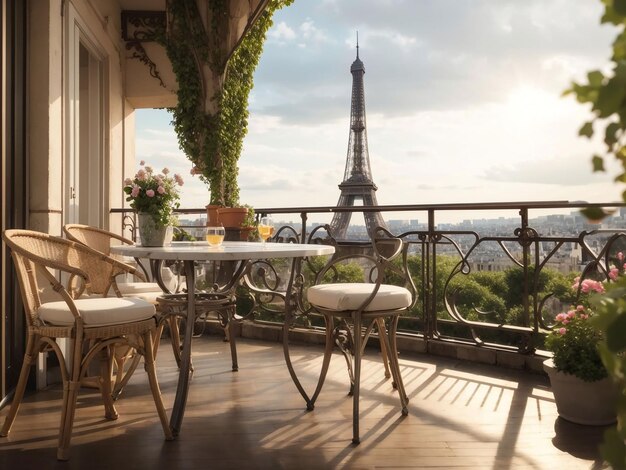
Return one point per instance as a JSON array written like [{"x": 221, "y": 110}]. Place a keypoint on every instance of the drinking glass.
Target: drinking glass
[
  {"x": 215, "y": 236},
  {"x": 266, "y": 228}
]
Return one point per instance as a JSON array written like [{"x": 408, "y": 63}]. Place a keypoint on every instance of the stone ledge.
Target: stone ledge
[{"x": 406, "y": 343}]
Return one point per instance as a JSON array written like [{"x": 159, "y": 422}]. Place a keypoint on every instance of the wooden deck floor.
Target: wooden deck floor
[{"x": 460, "y": 416}]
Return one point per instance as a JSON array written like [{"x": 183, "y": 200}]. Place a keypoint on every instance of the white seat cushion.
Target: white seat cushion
[
  {"x": 97, "y": 311},
  {"x": 130, "y": 289},
  {"x": 350, "y": 296}
]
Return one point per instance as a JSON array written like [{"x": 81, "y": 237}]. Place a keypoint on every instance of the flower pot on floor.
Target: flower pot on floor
[{"x": 591, "y": 403}]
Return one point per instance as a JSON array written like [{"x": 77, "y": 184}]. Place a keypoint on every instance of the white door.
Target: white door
[{"x": 85, "y": 173}]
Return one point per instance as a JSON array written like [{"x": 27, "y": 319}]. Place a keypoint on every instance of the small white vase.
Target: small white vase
[
  {"x": 592, "y": 403},
  {"x": 152, "y": 233}
]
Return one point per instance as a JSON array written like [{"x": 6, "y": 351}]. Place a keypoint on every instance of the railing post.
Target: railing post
[
  {"x": 524, "y": 241},
  {"x": 303, "y": 218},
  {"x": 430, "y": 313}
]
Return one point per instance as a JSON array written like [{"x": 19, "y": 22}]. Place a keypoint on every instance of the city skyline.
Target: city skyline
[{"x": 463, "y": 99}]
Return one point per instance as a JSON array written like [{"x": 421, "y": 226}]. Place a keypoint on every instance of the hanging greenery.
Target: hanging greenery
[{"x": 211, "y": 117}]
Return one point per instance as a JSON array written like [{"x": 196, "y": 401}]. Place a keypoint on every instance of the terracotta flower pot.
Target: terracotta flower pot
[
  {"x": 213, "y": 218},
  {"x": 592, "y": 403},
  {"x": 232, "y": 216}
]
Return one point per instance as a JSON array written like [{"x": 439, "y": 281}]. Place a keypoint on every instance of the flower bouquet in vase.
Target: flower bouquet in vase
[{"x": 154, "y": 196}]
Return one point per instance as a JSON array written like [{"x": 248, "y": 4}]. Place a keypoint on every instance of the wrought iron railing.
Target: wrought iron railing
[{"x": 460, "y": 268}]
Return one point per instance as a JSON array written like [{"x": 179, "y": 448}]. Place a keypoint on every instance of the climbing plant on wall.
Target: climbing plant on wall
[{"x": 211, "y": 117}]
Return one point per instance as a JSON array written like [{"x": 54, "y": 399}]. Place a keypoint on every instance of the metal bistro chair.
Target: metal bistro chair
[
  {"x": 94, "y": 324},
  {"x": 365, "y": 305}
]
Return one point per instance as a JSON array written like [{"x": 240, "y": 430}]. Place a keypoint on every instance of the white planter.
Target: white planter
[{"x": 592, "y": 403}]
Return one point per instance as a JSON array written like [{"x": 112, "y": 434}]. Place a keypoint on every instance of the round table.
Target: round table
[{"x": 242, "y": 252}]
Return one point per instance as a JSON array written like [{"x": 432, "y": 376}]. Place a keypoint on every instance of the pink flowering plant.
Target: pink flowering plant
[
  {"x": 574, "y": 344},
  {"x": 574, "y": 339},
  {"x": 154, "y": 193}
]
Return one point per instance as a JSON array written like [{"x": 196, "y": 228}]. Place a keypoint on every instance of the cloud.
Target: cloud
[
  {"x": 281, "y": 32},
  {"x": 561, "y": 171}
]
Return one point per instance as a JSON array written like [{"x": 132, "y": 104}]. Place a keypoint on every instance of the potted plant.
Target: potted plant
[
  {"x": 583, "y": 392},
  {"x": 214, "y": 81},
  {"x": 154, "y": 197},
  {"x": 249, "y": 231}
]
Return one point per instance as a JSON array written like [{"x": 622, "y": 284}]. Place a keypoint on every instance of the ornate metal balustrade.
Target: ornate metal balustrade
[{"x": 533, "y": 260}]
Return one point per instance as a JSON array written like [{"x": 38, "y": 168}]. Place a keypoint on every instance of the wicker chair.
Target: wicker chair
[
  {"x": 360, "y": 307},
  {"x": 102, "y": 240},
  {"x": 95, "y": 324},
  {"x": 125, "y": 359}
]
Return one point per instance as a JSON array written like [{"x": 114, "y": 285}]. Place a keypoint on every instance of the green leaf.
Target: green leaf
[
  {"x": 611, "y": 16},
  {"x": 610, "y": 134},
  {"x": 616, "y": 334},
  {"x": 620, "y": 7},
  {"x": 594, "y": 214},
  {"x": 595, "y": 78},
  {"x": 609, "y": 98},
  {"x": 613, "y": 449},
  {"x": 598, "y": 163},
  {"x": 586, "y": 130}
]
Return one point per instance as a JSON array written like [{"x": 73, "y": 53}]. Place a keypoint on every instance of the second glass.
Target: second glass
[{"x": 215, "y": 236}]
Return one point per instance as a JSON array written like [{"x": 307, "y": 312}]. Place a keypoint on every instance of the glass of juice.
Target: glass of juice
[
  {"x": 266, "y": 228},
  {"x": 215, "y": 236}
]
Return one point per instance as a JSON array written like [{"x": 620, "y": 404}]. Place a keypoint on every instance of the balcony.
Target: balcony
[{"x": 478, "y": 397}]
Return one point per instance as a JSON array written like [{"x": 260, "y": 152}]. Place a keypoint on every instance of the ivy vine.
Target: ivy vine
[{"x": 211, "y": 129}]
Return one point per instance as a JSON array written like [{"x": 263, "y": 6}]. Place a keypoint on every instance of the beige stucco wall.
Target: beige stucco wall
[
  {"x": 45, "y": 143},
  {"x": 48, "y": 109}
]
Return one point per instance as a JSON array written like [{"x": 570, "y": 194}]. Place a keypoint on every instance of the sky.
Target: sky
[{"x": 463, "y": 103}]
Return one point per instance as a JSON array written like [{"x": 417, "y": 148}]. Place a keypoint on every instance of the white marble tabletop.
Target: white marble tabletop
[{"x": 229, "y": 251}]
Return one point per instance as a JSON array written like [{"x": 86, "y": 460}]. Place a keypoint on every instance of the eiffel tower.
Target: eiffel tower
[{"x": 357, "y": 182}]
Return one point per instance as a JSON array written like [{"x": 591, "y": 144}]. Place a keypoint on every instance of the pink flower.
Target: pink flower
[
  {"x": 178, "y": 179},
  {"x": 150, "y": 193},
  {"x": 128, "y": 182},
  {"x": 149, "y": 169},
  {"x": 620, "y": 257},
  {"x": 161, "y": 190},
  {"x": 141, "y": 175},
  {"x": 584, "y": 316},
  {"x": 613, "y": 273},
  {"x": 571, "y": 314},
  {"x": 142, "y": 162},
  {"x": 580, "y": 308},
  {"x": 561, "y": 317},
  {"x": 588, "y": 285},
  {"x": 135, "y": 191},
  {"x": 165, "y": 171},
  {"x": 562, "y": 331}
]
